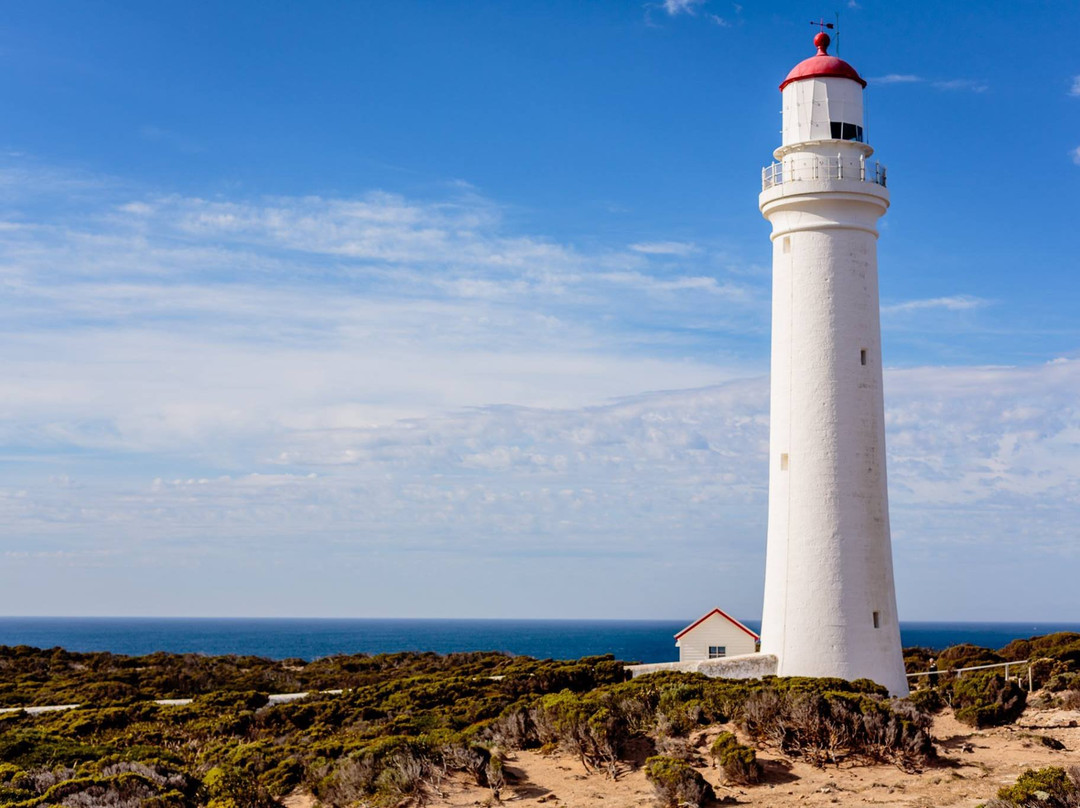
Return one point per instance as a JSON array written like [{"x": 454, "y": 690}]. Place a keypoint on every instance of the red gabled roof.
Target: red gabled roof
[
  {"x": 822, "y": 65},
  {"x": 724, "y": 615}
]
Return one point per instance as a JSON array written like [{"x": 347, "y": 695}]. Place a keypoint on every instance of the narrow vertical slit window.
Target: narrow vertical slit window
[
  {"x": 783, "y": 462},
  {"x": 862, "y": 356},
  {"x": 877, "y": 619},
  {"x": 787, "y": 244}
]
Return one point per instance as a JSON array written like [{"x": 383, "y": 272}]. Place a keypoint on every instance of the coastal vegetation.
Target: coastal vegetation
[
  {"x": 397, "y": 728},
  {"x": 1050, "y": 787}
]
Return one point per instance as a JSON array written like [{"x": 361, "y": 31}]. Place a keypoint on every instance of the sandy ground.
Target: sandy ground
[{"x": 973, "y": 765}]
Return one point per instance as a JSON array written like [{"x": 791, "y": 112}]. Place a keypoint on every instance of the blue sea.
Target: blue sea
[{"x": 631, "y": 640}]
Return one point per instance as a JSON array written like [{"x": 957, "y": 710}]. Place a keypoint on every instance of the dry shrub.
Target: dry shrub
[{"x": 827, "y": 727}]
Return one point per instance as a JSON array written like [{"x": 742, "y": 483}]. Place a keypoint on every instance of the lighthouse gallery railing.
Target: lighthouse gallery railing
[{"x": 821, "y": 168}]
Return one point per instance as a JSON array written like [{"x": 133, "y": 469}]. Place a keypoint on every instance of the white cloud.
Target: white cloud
[
  {"x": 674, "y": 7},
  {"x": 664, "y": 248},
  {"x": 979, "y": 457},
  {"x": 286, "y": 397},
  {"x": 969, "y": 85},
  {"x": 1075, "y": 154},
  {"x": 1074, "y": 90},
  {"x": 178, "y": 324},
  {"x": 953, "y": 303},
  {"x": 897, "y": 78}
]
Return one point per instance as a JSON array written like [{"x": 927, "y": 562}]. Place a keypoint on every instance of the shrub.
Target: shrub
[
  {"x": 1051, "y": 787},
  {"x": 231, "y": 788},
  {"x": 1063, "y": 681},
  {"x": 987, "y": 700},
  {"x": 927, "y": 700},
  {"x": 966, "y": 655},
  {"x": 826, "y": 727},
  {"x": 738, "y": 762},
  {"x": 676, "y": 783}
]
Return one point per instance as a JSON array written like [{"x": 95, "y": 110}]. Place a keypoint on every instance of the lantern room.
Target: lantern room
[{"x": 822, "y": 99}]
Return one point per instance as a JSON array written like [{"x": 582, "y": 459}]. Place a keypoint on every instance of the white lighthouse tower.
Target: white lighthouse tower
[{"x": 830, "y": 603}]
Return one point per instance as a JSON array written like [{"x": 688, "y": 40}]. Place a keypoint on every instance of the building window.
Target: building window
[
  {"x": 877, "y": 619},
  {"x": 783, "y": 462},
  {"x": 862, "y": 356},
  {"x": 787, "y": 244},
  {"x": 846, "y": 131},
  {"x": 718, "y": 651}
]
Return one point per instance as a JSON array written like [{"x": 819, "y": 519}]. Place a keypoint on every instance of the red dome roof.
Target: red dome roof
[{"x": 821, "y": 64}]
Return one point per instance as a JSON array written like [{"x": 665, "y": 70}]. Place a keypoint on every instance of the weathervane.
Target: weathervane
[{"x": 821, "y": 24}]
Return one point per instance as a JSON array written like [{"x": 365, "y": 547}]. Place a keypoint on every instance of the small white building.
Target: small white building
[{"x": 714, "y": 636}]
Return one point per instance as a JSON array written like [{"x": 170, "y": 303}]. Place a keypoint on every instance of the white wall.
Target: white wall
[
  {"x": 715, "y": 630},
  {"x": 809, "y": 106}
]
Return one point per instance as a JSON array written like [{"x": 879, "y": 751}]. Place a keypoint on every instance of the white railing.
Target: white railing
[
  {"x": 957, "y": 671},
  {"x": 821, "y": 168}
]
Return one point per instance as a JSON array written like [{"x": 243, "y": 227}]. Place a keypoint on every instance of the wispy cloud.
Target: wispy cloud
[
  {"x": 664, "y": 247},
  {"x": 261, "y": 391},
  {"x": 968, "y": 85},
  {"x": 1074, "y": 90},
  {"x": 674, "y": 7},
  {"x": 953, "y": 303},
  {"x": 1075, "y": 154},
  {"x": 978, "y": 456},
  {"x": 412, "y": 307}
]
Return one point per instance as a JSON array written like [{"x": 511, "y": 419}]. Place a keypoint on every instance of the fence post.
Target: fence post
[{"x": 1030, "y": 686}]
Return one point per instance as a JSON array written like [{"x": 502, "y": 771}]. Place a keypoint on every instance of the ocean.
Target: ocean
[{"x": 630, "y": 640}]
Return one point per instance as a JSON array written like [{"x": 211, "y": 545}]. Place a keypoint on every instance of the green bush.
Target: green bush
[
  {"x": 1051, "y": 787},
  {"x": 676, "y": 783},
  {"x": 738, "y": 762},
  {"x": 927, "y": 700},
  {"x": 987, "y": 700},
  {"x": 966, "y": 655}
]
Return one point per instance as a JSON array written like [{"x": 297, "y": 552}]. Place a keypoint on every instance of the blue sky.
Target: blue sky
[{"x": 462, "y": 309}]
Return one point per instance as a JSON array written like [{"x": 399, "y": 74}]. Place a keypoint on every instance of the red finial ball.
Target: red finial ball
[{"x": 822, "y": 42}]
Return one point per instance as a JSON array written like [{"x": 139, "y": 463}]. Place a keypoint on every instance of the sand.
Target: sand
[{"x": 973, "y": 765}]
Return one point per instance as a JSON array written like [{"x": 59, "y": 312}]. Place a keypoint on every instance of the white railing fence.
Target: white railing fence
[
  {"x": 816, "y": 167},
  {"x": 957, "y": 671}
]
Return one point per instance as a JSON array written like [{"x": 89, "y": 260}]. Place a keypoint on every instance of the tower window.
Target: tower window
[
  {"x": 877, "y": 619},
  {"x": 846, "y": 131},
  {"x": 783, "y": 462},
  {"x": 862, "y": 356},
  {"x": 787, "y": 244}
]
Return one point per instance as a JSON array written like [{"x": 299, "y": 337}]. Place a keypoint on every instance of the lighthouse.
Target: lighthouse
[{"x": 830, "y": 601}]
